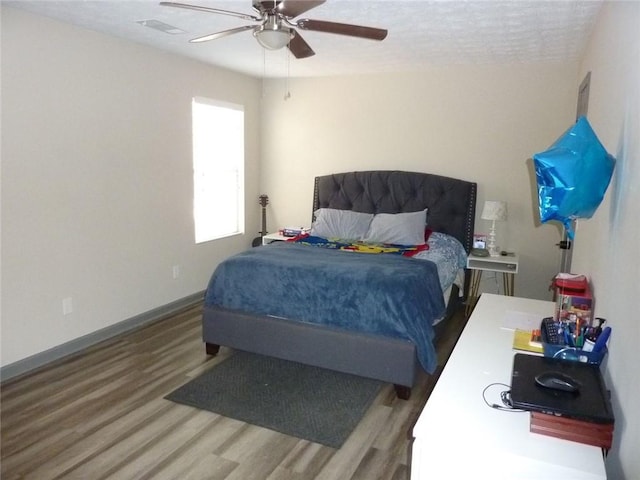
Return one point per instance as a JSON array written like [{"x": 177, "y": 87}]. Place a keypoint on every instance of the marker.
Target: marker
[{"x": 577, "y": 334}]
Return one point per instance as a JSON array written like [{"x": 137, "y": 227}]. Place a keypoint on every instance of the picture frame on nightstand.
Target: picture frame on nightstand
[
  {"x": 479, "y": 245},
  {"x": 479, "y": 240}
]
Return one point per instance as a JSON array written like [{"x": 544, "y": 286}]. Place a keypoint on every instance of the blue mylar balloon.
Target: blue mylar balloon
[{"x": 572, "y": 175}]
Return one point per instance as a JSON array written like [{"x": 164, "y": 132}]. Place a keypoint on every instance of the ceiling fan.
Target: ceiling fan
[{"x": 277, "y": 28}]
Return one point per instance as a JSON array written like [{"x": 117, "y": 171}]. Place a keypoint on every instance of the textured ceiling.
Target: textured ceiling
[{"x": 421, "y": 33}]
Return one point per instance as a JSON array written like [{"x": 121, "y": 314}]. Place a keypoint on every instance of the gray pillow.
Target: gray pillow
[
  {"x": 398, "y": 228},
  {"x": 346, "y": 224}
]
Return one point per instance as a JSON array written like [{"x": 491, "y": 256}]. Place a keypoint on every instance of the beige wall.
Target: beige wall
[
  {"x": 478, "y": 123},
  {"x": 607, "y": 244},
  {"x": 97, "y": 179}
]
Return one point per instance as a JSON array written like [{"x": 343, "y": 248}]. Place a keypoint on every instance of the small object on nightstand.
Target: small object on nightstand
[
  {"x": 479, "y": 240},
  {"x": 293, "y": 231},
  {"x": 479, "y": 252}
]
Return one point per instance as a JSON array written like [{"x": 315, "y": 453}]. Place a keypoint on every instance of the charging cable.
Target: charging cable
[{"x": 505, "y": 398}]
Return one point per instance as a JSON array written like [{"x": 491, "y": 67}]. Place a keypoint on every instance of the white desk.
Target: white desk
[{"x": 458, "y": 436}]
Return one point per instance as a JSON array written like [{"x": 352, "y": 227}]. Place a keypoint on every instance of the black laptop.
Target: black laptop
[{"x": 591, "y": 402}]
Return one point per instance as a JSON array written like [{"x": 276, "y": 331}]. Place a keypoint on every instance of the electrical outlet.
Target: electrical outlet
[
  {"x": 176, "y": 271},
  {"x": 67, "y": 306}
]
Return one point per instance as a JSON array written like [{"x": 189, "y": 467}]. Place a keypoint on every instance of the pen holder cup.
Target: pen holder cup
[{"x": 566, "y": 352}]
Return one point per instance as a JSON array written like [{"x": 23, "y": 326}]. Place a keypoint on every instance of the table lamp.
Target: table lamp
[{"x": 494, "y": 210}]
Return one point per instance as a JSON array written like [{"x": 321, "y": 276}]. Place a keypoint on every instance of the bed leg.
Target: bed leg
[
  {"x": 403, "y": 392},
  {"x": 211, "y": 348}
]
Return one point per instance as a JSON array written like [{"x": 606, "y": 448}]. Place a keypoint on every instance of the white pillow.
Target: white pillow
[
  {"x": 347, "y": 224},
  {"x": 398, "y": 228}
]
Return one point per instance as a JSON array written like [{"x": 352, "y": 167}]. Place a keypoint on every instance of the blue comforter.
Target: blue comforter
[{"x": 383, "y": 294}]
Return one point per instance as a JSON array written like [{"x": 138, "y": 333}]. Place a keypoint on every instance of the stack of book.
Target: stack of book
[{"x": 293, "y": 231}]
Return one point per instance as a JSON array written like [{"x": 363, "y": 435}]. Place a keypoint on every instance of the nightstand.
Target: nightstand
[
  {"x": 273, "y": 237},
  {"x": 505, "y": 264}
]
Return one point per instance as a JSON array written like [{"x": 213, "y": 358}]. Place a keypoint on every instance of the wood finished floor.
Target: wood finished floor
[{"x": 101, "y": 414}]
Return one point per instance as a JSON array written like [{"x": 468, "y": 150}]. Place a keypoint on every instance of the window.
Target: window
[{"x": 218, "y": 169}]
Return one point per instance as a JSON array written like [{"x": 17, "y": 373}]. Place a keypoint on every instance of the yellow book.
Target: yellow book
[{"x": 522, "y": 341}]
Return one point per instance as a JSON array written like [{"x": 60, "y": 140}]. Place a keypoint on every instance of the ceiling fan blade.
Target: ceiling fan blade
[
  {"x": 342, "y": 29},
  {"x": 244, "y": 16},
  {"x": 221, "y": 34},
  {"x": 293, "y": 8},
  {"x": 299, "y": 47}
]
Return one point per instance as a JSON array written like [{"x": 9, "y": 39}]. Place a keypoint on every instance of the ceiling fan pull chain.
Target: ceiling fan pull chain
[
  {"x": 264, "y": 70},
  {"x": 287, "y": 94}
]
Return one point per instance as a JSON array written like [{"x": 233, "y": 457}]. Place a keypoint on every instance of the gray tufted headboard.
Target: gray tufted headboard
[{"x": 451, "y": 202}]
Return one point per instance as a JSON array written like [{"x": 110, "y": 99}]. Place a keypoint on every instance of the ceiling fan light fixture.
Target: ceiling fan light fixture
[
  {"x": 272, "y": 35},
  {"x": 273, "y": 39}
]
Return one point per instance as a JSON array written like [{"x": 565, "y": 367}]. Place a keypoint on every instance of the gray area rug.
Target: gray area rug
[{"x": 306, "y": 402}]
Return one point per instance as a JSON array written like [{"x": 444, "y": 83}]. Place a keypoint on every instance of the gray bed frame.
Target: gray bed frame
[{"x": 451, "y": 209}]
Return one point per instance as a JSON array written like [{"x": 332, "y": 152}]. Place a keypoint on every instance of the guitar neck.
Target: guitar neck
[
  {"x": 264, "y": 201},
  {"x": 264, "y": 222}
]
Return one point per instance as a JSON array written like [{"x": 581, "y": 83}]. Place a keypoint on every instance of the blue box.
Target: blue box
[{"x": 567, "y": 352}]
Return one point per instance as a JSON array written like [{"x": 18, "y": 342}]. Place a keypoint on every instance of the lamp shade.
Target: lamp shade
[{"x": 494, "y": 210}]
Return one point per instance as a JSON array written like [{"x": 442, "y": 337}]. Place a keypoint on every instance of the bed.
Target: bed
[{"x": 393, "y": 348}]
